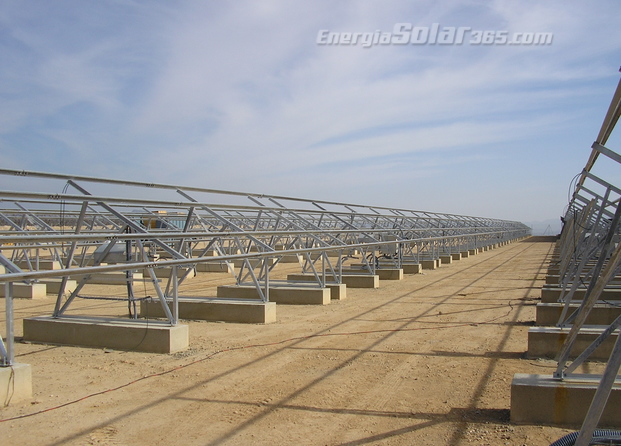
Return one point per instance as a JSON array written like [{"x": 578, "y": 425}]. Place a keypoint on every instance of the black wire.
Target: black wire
[
  {"x": 572, "y": 188},
  {"x": 9, "y": 394},
  {"x": 146, "y": 328}
]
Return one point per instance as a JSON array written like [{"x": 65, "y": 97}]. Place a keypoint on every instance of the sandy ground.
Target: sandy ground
[{"x": 423, "y": 361}]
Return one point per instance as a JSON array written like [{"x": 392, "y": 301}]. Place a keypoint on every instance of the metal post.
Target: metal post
[
  {"x": 175, "y": 296},
  {"x": 340, "y": 280},
  {"x": 9, "y": 355},
  {"x": 129, "y": 279},
  {"x": 266, "y": 262},
  {"x": 323, "y": 268}
]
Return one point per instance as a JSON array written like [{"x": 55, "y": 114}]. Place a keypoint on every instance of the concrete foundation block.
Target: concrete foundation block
[
  {"x": 292, "y": 295},
  {"x": 53, "y": 285},
  {"x": 212, "y": 253},
  {"x": 456, "y": 255},
  {"x": 27, "y": 290},
  {"x": 390, "y": 273},
  {"x": 540, "y": 399},
  {"x": 361, "y": 280},
  {"x": 546, "y": 342},
  {"x": 338, "y": 291},
  {"x": 15, "y": 383},
  {"x": 385, "y": 272},
  {"x": 602, "y": 314},
  {"x": 43, "y": 264},
  {"x": 213, "y": 309},
  {"x": 429, "y": 264},
  {"x": 446, "y": 259},
  {"x": 351, "y": 280},
  {"x": 411, "y": 268},
  {"x": 552, "y": 294},
  {"x": 255, "y": 263},
  {"x": 163, "y": 273},
  {"x": 473, "y": 252},
  {"x": 552, "y": 279},
  {"x": 121, "y": 334},
  {"x": 115, "y": 278},
  {"x": 214, "y": 268},
  {"x": 465, "y": 254},
  {"x": 289, "y": 258}
]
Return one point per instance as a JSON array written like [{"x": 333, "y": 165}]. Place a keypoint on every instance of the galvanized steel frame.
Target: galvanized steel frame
[
  {"x": 174, "y": 227},
  {"x": 589, "y": 258}
]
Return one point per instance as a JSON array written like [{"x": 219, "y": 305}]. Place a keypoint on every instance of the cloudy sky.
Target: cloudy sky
[{"x": 239, "y": 95}]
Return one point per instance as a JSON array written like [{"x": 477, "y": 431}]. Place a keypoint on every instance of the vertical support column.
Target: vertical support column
[
  {"x": 9, "y": 323},
  {"x": 175, "y": 296},
  {"x": 323, "y": 268},
  {"x": 8, "y": 354},
  {"x": 15, "y": 379},
  {"x": 266, "y": 265},
  {"x": 129, "y": 278}
]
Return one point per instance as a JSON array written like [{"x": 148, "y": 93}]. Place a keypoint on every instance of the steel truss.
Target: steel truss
[
  {"x": 90, "y": 226},
  {"x": 589, "y": 259}
]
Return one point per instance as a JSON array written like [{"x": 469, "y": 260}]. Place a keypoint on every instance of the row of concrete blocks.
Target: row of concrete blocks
[
  {"x": 352, "y": 276},
  {"x": 541, "y": 399},
  {"x": 41, "y": 288},
  {"x": 234, "y": 304}
]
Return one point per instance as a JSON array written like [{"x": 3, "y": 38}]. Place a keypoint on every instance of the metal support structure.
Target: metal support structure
[
  {"x": 589, "y": 258},
  {"x": 7, "y": 353},
  {"x": 99, "y": 226}
]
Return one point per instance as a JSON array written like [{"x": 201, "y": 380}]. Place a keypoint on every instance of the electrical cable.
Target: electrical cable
[
  {"x": 146, "y": 329},
  {"x": 574, "y": 182},
  {"x": 10, "y": 388},
  {"x": 599, "y": 437},
  {"x": 62, "y": 211},
  {"x": 232, "y": 349}
]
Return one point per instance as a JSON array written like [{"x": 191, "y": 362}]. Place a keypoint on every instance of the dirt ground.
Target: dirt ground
[{"x": 427, "y": 360}]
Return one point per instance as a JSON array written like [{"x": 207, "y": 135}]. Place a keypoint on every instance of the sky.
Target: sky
[{"x": 244, "y": 96}]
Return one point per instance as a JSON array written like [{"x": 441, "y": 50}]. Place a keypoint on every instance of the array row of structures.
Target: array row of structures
[
  {"x": 580, "y": 310},
  {"x": 232, "y": 303}
]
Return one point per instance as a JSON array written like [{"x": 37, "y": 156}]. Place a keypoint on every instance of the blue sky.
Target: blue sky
[{"x": 238, "y": 95}]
